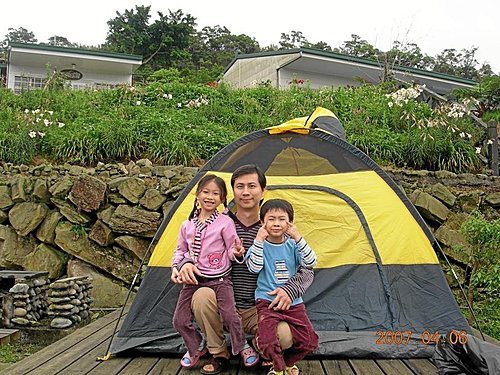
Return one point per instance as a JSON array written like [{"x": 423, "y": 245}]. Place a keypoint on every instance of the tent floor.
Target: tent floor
[{"x": 77, "y": 353}]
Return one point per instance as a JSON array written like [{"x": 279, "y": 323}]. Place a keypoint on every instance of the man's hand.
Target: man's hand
[
  {"x": 238, "y": 249},
  {"x": 281, "y": 302},
  {"x": 293, "y": 232},
  {"x": 187, "y": 274},
  {"x": 261, "y": 234}
]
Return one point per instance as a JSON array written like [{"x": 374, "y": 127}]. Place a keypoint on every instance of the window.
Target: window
[{"x": 26, "y": 83}]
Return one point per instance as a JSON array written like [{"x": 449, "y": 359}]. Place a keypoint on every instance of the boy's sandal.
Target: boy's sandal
[
  {"x": 294, "y": 370},
  {"x": 272, "y": 372},
  {"x": 189, "y": 361},
  {"x": 250, "y": 357},
  {"x": 218, "y": 365}
]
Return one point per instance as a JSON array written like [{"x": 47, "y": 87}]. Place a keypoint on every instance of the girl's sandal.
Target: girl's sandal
[
  {"x": 218, "y": 365},
  {"x": 189, "y": 361},
  {"x": 249, "y": 356},
  {"x": 294, "y": 370}
]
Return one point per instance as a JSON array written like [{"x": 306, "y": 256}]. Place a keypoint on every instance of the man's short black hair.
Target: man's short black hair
[
  {"x": 276, "y": 204},
  {"x": 249, "y": 169}
]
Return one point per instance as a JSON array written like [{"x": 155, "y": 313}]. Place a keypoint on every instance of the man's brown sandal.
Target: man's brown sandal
[{"x": 218, "y": 364}]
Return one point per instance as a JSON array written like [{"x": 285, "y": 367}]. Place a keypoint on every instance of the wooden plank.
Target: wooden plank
[
  {"x": 111, "y": 366},
  {"x": 310, "y": 367},
  {"x": 421, "y": 366},
  {"x": 88, "y": 362},
  {"x": 77, "y": 351},
  {"x": 46, "y": 354},
  {"x": 139, "y": 365},
  {"x": 393, "y": 367},
  {"x": 365, "y": 367},
  {"x": 255, "y": 370},
  {"x": 165, "y": 366},
  {"x": 232, "y": 370},
  {"x": 337, "y": 367}
]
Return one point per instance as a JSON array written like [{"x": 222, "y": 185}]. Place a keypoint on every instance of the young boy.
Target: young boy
[{"x": 276, "y": 254}]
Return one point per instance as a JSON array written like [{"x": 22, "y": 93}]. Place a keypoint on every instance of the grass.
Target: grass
[
  {"x": 182, "y": 123},
  {"x": 14, "y": 352}
]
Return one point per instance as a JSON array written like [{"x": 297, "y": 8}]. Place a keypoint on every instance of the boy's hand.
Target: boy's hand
[
  {"x": 293, "y": 232},
  {"x": 238, "y": 249},
  {"x": 261, "y": 234},
  {"x": 281, "y": 302}
]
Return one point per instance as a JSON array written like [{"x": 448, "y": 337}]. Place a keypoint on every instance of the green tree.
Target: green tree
[
  {"x": 408, "y": 54},
  {"x": 359, "y": 48},
  {"x": 163, "y": 44},
  {"x": 20, "y": 35},
  {"x": 293, "y": 40},
  {"x": 60, "y": 41},
  {"x": 459, "y": 63}
]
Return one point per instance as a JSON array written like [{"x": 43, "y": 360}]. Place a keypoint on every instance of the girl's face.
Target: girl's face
[{"x": 209, "y": 197}]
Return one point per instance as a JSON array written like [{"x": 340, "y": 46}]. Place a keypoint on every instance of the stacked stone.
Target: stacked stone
[
  {"x": 29, "y": 300},
  {"x": 69, "y": 301}
]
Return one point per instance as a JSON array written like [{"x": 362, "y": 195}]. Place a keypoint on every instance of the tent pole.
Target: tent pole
[
  {"x": 462, "y": 290},
  {"x": 108, "y": 353}
]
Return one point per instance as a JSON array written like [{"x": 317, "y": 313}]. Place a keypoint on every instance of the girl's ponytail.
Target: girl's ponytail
[{"x": 193, "y": 211}]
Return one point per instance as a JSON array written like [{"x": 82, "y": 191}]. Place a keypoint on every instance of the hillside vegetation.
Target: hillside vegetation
[{"x": 173, "y": 122}]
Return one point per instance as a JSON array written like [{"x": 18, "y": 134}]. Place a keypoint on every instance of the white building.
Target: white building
[
  {"x": 29, "y": 65},
  {"x": 319, "y": 69}
]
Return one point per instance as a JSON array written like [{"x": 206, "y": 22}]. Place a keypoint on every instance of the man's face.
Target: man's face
[{"x": 247, "y": 191}]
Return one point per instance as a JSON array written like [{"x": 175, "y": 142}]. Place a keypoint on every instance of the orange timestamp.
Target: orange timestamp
[{"x": 389, "y": 337}]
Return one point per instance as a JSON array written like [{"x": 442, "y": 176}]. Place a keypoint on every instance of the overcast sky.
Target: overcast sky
[{"x": 432, "y": 24}]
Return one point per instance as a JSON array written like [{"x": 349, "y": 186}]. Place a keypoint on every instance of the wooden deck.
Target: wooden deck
[{"x": 77, "y": 353}]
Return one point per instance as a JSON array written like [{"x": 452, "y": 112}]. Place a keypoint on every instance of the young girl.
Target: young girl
[{"x": 209, "y": 241}]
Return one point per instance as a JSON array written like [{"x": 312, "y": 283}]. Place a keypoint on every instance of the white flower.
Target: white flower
[
  {"x": 167, "y": 96},
  {"x": 468, "y": 135},
  {"x": 41, "y": 134},
  {"x": 462, "y": 135},
  {"x": 36, "y": 111},
  {"x": 179, "y": 105},
  {"x": 46, "y": 122},
  {"x": 478, "y": 150},
  {"x": 37, "y": 119},
  {"x": 26, "y": 110},
  {"x": 138, "y": 102},
  {"x": 390, "y": 104},
  {"x": 60, "y": 124},
  {"x": 489, "y": 141},
  {"x": 32, "y": 134},
  {"x": 50, "y": 112}
]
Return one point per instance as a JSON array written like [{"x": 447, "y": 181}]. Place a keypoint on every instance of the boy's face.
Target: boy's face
[{"x": 276, "y": 224}]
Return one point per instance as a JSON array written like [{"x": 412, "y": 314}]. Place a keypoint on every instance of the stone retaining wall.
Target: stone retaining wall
[{"x": 98, "y": 222}]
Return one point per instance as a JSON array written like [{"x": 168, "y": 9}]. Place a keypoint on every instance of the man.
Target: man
[{"x": 248, "y": 184}]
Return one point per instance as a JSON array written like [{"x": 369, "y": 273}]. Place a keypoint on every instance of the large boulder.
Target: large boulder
[
  {"x": 106, "y": 292},
  {"x": 442, "y": 193},
  {"x": 47, "y": 230},
  {"x": 133, "y": 220},
  {"x": 430, "y": 208},
  {"x": 88, "y": 193},
  {"x": 70, "y": 212},
  {"x": 101, "y": 234},
  {"x": 41, "y": 190},
  {"x": 118, "y": 265},
  {"x": 19, "y": 185},
  {"x": 14, "y": 248},
  {"x": 454, "y": 243},
  {"x": 493, "y": 199},
  {"x": 27, "y": 216},
  {"x": 62, "y": 187},
  {"x": 6, "y": 201},
  {"x": 132, "y": 189},
  {"x": 152, "y": 200},
  {"x": 46, "y": 258},
  {"x": 134, "y": 245}
]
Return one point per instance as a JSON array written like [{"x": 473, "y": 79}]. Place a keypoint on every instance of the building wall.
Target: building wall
[
  {"x": 249, "y": 72},
  {"x": 89, "y": 79}
]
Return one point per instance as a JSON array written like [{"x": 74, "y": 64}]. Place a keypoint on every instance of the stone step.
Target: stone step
[{"x": 8, "y": 336}]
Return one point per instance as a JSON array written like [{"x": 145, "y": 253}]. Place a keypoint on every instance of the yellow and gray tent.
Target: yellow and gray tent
[{"x": 378, "y": 291}]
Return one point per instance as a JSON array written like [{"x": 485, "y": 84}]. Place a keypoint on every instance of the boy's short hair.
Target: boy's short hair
[
  {"x": 276, "y": 204},
  {"x": 249, "y": 169}
]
